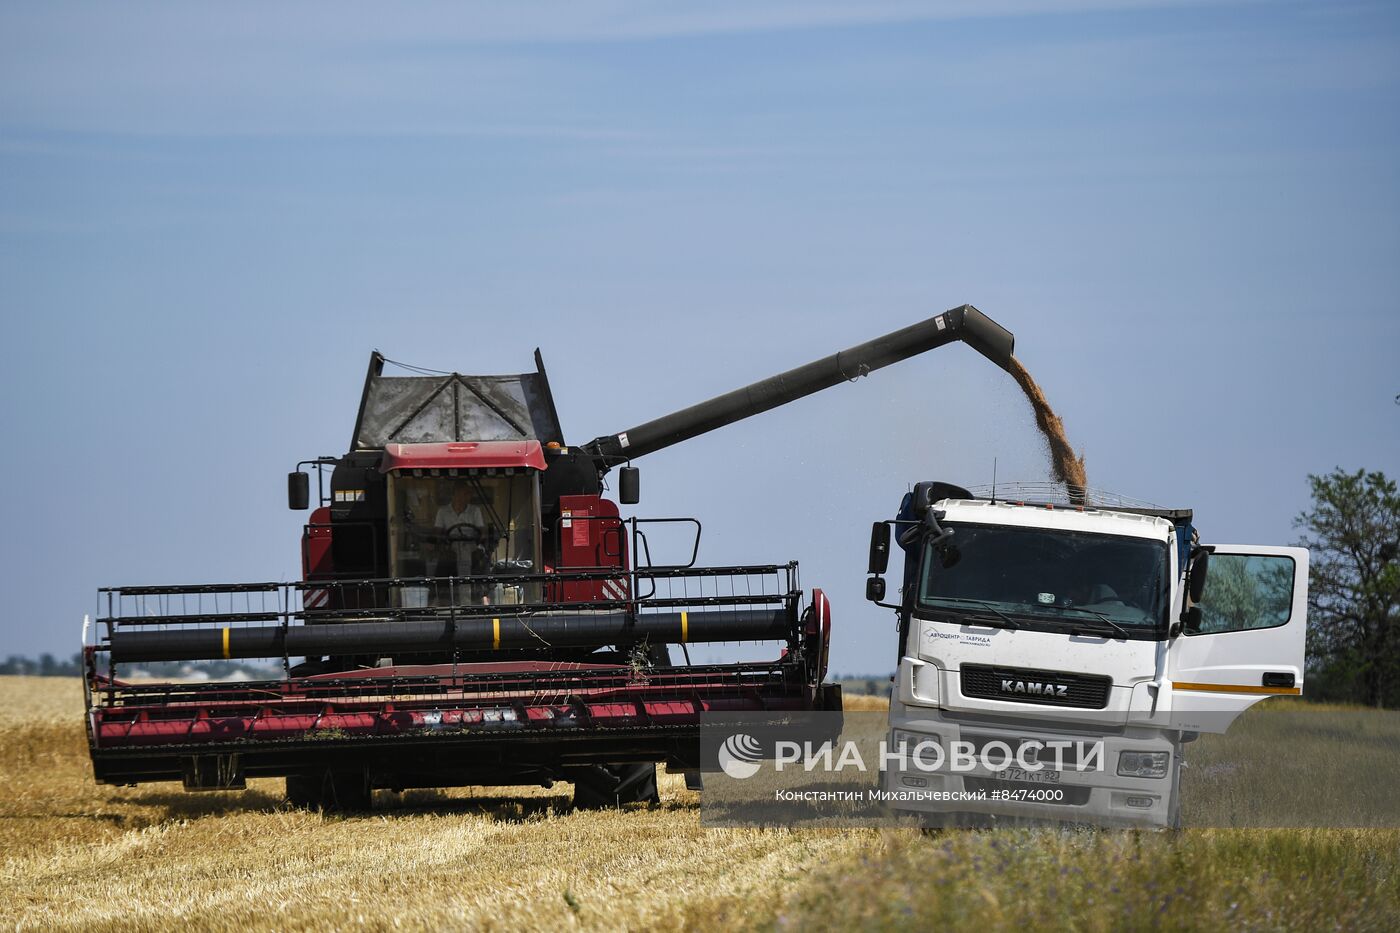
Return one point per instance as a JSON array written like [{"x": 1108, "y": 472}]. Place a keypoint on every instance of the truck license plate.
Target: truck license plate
[{"x": 1044, "y": 776}]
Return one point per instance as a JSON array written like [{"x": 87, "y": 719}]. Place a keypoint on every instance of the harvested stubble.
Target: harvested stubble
[
  {"x": 153, "y": 857},
  {"x": 82, "y": 856}
]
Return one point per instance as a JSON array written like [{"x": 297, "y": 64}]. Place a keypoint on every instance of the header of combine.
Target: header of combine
[{"x": 472, "y": 609}]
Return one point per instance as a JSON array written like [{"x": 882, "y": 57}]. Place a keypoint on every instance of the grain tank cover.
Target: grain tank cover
[
  {"x": 471, "y": 455},
  {"x": 453, "y": 407}
]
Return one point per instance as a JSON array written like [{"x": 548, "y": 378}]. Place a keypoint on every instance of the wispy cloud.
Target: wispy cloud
[
  {"x": 319, "y": 68},
  {"x": 543, "y": 21}
]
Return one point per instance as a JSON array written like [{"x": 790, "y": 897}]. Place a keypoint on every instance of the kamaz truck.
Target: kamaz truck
[{"x": 1056, "y": 656}]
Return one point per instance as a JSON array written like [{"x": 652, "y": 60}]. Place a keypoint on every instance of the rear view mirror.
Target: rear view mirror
[
  {"x": 1191, "y": 620},
  {"x": 875, "y": 589},
  {"x": 298, "y": 491},
  {"x": 923, "y": 497},
  {"x": 926, "y": 494},
  {"x": 629, "y": 485},
  {"x": 948, "y": 556},
  {"x": 1196, "y": 577},
  {"x": 879, "y": 547}
]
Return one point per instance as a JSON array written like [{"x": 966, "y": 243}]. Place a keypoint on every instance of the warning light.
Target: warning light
[{"x": 553, "y": 445}]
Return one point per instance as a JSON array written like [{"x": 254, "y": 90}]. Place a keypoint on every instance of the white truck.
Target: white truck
[{"x": 1055, "y": 658}]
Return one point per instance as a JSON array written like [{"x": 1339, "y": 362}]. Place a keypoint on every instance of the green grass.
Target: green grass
[
  {"x": 1291, "y": 764},
  {"x": 1099, "y": 880},
  {"x": 1283, "y": 764}
]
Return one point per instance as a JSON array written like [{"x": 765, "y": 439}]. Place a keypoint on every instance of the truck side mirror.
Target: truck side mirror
[
  {"x": 1191, "y": 620},
  {"x": 298, "y": 491},
  {"x": 1196, "y": 577},
  {"x": 926, "y": 494},
  {"x": 922, "y": 498},
  {"x": 629, "y": 485},
  {"x": 875, "y": 589},
  {"x": 879, "y": 547}
]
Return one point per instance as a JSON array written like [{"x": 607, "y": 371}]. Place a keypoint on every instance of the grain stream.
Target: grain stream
[{"x": 1068, "y": 467}]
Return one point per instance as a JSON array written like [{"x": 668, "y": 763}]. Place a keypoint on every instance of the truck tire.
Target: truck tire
[{"x": 602, "y": 787}]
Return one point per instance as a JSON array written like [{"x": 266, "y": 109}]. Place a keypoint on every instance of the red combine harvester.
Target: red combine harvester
[{"x": 473, "y": 611}]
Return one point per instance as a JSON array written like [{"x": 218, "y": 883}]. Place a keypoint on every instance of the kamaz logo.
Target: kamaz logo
[{"x": 1033, "y": 688}]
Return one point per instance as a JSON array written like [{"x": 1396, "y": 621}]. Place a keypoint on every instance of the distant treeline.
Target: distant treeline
[
  {"x": 875, "y": 685},
  {"x": 46, "y": 666},
  {"x": 49, "y": 666}
]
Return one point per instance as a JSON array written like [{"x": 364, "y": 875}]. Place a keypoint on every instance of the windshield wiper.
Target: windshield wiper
[
  {"x": 1120, "y": 630},
  {"x": 1006, "y": 620}
]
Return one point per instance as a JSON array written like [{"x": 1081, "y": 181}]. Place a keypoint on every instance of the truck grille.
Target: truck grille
[{"x": 1044, "y": 688}]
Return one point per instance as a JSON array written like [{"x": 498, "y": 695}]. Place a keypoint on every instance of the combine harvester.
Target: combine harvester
[{"x": 473, "y": 611}]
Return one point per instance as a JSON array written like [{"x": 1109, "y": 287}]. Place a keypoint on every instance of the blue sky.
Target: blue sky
[{"x": 1188, "y": 213}]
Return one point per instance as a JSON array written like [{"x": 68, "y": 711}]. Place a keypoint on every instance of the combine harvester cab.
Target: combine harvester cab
[{"x": 473, "y": 611}]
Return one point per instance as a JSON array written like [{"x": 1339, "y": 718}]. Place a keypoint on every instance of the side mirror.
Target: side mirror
[
  {"x": 923, "y": 497},
  {"x": 629, "y": 485},
  {"x": 298, "y": 490},
  {"x": 879, "y": 547},
  {"x": 926, "y": 494},
  {"x": 1196, "y": 578},
  {"x": 1191, "y": 620},
  {"x": 875, "y": 589}
]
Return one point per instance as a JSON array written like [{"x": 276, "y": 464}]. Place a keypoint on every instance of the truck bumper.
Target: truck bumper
[{"x": 1087, "y": 788}]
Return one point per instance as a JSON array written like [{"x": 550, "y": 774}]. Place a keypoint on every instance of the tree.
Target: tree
[{"x": 1353, "y": 533}]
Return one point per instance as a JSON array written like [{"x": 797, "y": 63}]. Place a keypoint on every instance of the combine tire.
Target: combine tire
[
  {"x": 602, "y": 787},
  {"x": 304, "y": 791},
  {"x": 331, "y": 791}
]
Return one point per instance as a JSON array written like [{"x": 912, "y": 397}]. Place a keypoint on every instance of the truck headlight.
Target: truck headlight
[
  {"x": 1143, "y": 764},
  {"x": 907, "y": 744}
]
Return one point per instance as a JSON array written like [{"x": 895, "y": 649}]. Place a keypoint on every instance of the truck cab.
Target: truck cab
[{"x": 1084, "y": 645}]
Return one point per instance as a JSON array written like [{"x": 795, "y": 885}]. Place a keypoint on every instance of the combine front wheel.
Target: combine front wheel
[
  {"x": 332, "y": 791},
  {"x": 601, "y": 787}
]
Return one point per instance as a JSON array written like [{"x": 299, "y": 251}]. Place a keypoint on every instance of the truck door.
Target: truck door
[{"x": 1250, "y": 641}]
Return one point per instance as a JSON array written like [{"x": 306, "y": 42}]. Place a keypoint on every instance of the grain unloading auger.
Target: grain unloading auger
[{"x": 473, "y": 610}]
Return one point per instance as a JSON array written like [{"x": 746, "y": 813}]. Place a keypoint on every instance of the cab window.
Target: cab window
[{"x": 1246, "y": 591}]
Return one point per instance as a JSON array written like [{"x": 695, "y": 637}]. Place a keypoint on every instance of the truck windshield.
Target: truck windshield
[{"x": 1048, "y": 579}]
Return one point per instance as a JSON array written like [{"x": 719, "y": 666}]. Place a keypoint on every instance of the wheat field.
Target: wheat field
[{"x": 78, "y": 855}]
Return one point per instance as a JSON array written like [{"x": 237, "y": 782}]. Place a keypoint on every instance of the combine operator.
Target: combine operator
[{"x": 462, "y": 525}]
